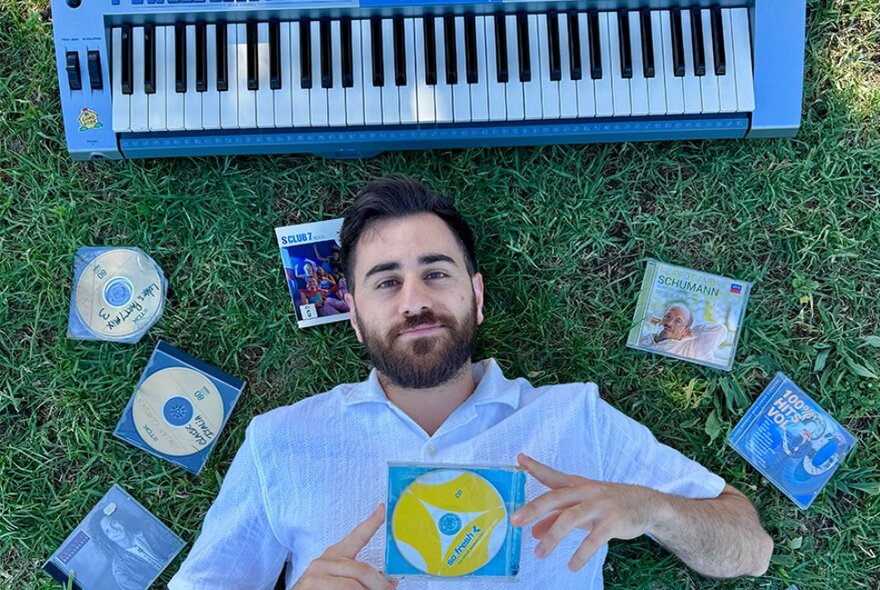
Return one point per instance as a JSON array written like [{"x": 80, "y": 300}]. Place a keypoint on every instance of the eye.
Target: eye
[
  {"x": 387, "y": 284},
  {"x": 437, "y": 274}
]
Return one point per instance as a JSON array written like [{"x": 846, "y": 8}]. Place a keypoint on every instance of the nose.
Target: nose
[{"x": 414, "y": 297}]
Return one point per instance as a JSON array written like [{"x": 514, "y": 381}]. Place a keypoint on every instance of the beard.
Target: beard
[{"x": 428, "y": 361}]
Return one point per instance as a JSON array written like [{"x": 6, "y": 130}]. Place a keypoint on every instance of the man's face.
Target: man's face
[
  {"x": 416, "y": 308},
  {"x": 676, "y": 322},
  {"x": 113, "y": 529}
]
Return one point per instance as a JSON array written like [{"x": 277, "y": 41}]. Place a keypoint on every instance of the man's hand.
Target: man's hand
[
  {"x": 607, "y": 510},
  {"x": 337, "y": 568}
]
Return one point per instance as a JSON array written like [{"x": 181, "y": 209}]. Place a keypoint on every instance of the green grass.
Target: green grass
[{"x": 562, "y": 234}]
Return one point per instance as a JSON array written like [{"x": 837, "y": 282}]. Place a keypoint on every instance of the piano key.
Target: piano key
[
  {"x": 305, "y": 53},
  {"x": 638, "y": 85},
  {"x": 229, "y": 97},
  {"x": 377, "y": 52},
  {"x": 299, "y": 95},
  {"x": 390, "y": 95},
  {"x": 619, "y": 85},
  {"x": 549, "y": 87},
  {"x": 568, "y": 103},
  {"x": 742, "y": 59},
  {"x": 494, "y": 87},
  {"x": 121, "y": 101},
  {"x": 399, "y": 45},
  {"x": 138, "y": 107},
  {"x": 156, "y": 100},
  {"x": 265, "y": 94},
  {"x": 274, "y": 54},
  {"x": 173, "y": 74},
  {"x": 498, "y": 38},
  {"x": 149, "y": 59},
  {"x": 347, "y": 57},
  {"x": 247, "y": 99},
  {"x": 407, "y": 91},
  {"x": 586, "y": 92},
  {"x": 450, "y": 49},
  {"x": 480, "y": 88},
  {"x": 326, "y": 51},
  {"x": 211, "y": 96},
  {"x": 221, "y": 50},
  {"x": 318, "y": 112},
  {"x": 524, "y": 58},
  {"x": 673, "y": 83},
  {"x": 461, "y": 94},
  {"x": 371, "y": 91},
  {"x": 677, "y": 43},
  {"x": 697, "y": 42},
  {"x": 127, "y": 60},
  {"x": 515, "y": 97},
  {"x": 180, "y": 57},
  {"x": 192, "y": 99},
  {"x": 595, "y": 45},
  {"x": 534, "y": 102},
  {"x": 429, "y": 39},
  {"x": 709, "y": 81},
  {"x": 354, "y": 94},
  {"x": 727, "y": 81},
  {"x": 554, "y": 59},
  {"x": 625, "y": 43},
  {"x": 470, "y": 47},
  {"x": 646, "y": 41},
  {"x": 693, "y": 99},
  {"x": 576, "y": 70},
  {"x": 336, "y": 92},
  {"x": 719, "y": 54},
  {"x": 201, "y": 58},
  {"x": 604, "y": 87},
  {"x": 253, "y": 74},
  {"x": 442, "y": 90},
  {"x": 657, "y": 82},
  {"x": 422, "y": 48}
]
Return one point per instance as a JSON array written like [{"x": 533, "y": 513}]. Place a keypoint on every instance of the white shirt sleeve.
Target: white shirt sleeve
[{"x": 237, "y": 547}]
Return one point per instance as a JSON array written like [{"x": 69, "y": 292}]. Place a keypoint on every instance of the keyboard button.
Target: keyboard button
[
  {"x": 586, "y": 91},
  {"x": 450, "y": 49},
  {"x": 274, "y": 54},
  {"x": 461, "y": 94},
  {"x": 515, "y": 97},
  {"x": 326, "y": 51},
  {"x": 625, "y": 44},
  {"x": 595, "y": 45},
  {"x": 742, "y": 56},
  {"x": 390, "y": 95},
  {"x": 697, "y": 42},
  {"x": 149, "y": 59},
  {"x": 173, "y": 74},
  {"x": 192, "y": 99},
  {"x": 693, "y": 99},
  {"x": 347, "y": 57},
  {"x": 399, "y": 45},
  {"x": 336, "y": 92},
  {"x": 139, "y": 105},
  {"x": 495, "y": 90},
  {"x": 727, "y": 80},
  {"x": 371, "y": 91},
  {"x": 265, "y": 94},
  {"x": 470, "y": 48},
  {"x": 425, "y": 49},
  {"x": 156, "y": 101},
  {"x": 499, "y": 37},
  {"x": 253, "y": 74},
  {"x": 480, "y": 88},
  {"x": 719, "y": 54},
  {"x": 127, "y": 60},
  {"x": 180, "y": 57},
  {"x": 442, "y": 90},
  {"x": 305, "y": 53},
  {"x": 318, "y": 106},
  {"x": 534, "y": 101},
  {"x": 549, "y": 87},
  {"x": 247, "y": 99},
  {"x": 638, "y": 85},
  {"x": 657, "y": 82},
  {"x": 229, "y": 96},
  {"x": 354, "y": 94},
  {"x": 677, "y": 43},
  {"x": 605, "y": 86},
  {"x": 211, "y": 96},
  {"x": 646, "y": 41},
  {"x": 377, "y": 52},
  {"x": 407, "y": 91},
  {"x": 574, "y": 46},
  {"x": 554, "y": 59},
  {"x": 429, "y": 36},
  {"x": 709, "y": 81},
  {"x": 568, "y": 103},
  {"x": 120, "y": 101},
  {"x": 673, "y": 82},
  {"x": 523, "y": 49},
  {"x": 222, "y": 54},
  {"x": 299, "y": 95},
  {"x": 201, "y": 57},
  {"x": 619, "y": 85}
]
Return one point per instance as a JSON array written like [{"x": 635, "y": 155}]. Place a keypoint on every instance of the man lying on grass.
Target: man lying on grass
[{"x": 305, "y": 487}]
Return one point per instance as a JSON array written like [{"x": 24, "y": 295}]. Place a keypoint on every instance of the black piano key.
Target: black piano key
[
  {"x": 222, "y": 61},
  {"x": 554, "y": 55},
  {"x": 647, "y": 42},
  {"x": 326, "y": 54},
  {"x": 501, "y": 48},
  {"x": 399, "y": 51},
  {"x": 149, "y": 59},
  {"x": 347, "y": 55},
  {"x": 677, "y": 44},
  {"x": 450, "y": 50},
  {"x": 470, "y": 47},
  {"x": 201, "y": 57},
  {"x": 127, "y": 60},
  {"x": 274, "y": 54},
  {"x": 697, "y": 42},
  {"x": 180, "y": 57},
  {"x": 718, "y": 42},
  {"x": 253, "y": 75},
  {"x": 305, "y": 53},
  {"x": 574, "y": 46},
  {"x": 523, "y": 49},
  {"x": 430, "y": 50},
  {"x": 625, "y": 43},
  {"x": 595, "y": 45},
  {"x": 377, "y": 51}
]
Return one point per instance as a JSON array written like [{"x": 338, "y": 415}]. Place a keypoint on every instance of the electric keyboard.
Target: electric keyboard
[{"x": 342, "y": 78}]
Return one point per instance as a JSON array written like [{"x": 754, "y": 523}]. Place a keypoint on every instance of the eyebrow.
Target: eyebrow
[{"x": 423, "y": 261}]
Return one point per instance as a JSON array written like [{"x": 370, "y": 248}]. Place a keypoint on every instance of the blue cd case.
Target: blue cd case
[
  {"x": 179, "y": 408},
  {"x": 453, "y": 521},
  {"x": 119, "y": 545},
  {"x": 791, "y": 440}
]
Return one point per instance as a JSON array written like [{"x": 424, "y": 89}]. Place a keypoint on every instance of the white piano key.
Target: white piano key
[
  {"x": 424, "y": 92},
  {"x": 298, "y": 94},
  {"x": 619, "y": 84},
  {"x": 407, "y": 93},
  {"x": 674, "y": 84},
  {"x": 549, "y": 88},
  {"x": 709, "y": 82},
  {"x": 247, "y": 99},
  {"x": 173, "y": 100},
  {"x": 532, "y": 89},
  {"x": 156, "y": 101},
  {"x": 442, "y": 91},
  {"x": 211, "y": 98},
  {"x": 638, "y": 85},
  {"x": 229, "y": 98},
  {"x": 283, "y": 105},
  {"x": 742, "y": 54},
  {"x": 121, "y": 102},
  {"x": 604, "y": 86},
  {"x": 390, "y": 94},
  {"x": 265, "y": 94},
  {"x": 318, "y": 108},
  {"x": 586, "y": 92},
  {"x": 480, "y": 90},
  {"x": 354, "y": 96},
  {"x": 727, "y": 82},
  {"x": 515, "y": 96},
  {"x": 192, "y": 114},
  {"x": 461, "y": 92},
  {"x": 693, "y": 95},
  {"x": 138, "y": 107},
  {"x": 336, "y": 94},
  {"x": 657, "y": 84},
  {"x": 495, "y": 90},
  {"x": 372, "y": 94},
  {"x": 568, "y": 103}
]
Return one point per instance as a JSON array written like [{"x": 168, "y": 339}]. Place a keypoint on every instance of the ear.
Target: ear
[
  {"x": 477, "y": 281},
  {"x": 352, "y": 318}
]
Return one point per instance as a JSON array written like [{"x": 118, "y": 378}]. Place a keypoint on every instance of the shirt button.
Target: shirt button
[{"x": 431, "y": 450}]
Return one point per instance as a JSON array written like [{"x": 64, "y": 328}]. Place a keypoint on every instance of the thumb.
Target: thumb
[{"x": 351, "y": 544}]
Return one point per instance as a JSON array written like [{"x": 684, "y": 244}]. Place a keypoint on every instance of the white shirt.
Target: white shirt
[
  {"x": 306, "y": 474},
  {"x": 700, "y": 345}
]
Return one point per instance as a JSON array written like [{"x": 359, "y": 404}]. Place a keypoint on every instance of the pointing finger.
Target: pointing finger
[
  {"x": 353, "y": 542},
  {"x": 546, "y": 475},
  {"x": 545, "y": 504}
]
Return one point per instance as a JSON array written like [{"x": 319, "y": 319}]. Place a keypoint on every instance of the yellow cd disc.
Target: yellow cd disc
[
  {"x": 449, "y": 522},
  {"x": 177, "y": 411},
  {"x": 118, "y": 293}
]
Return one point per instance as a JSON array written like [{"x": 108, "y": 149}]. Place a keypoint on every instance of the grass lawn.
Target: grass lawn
[{"x": 563, "y": 232}]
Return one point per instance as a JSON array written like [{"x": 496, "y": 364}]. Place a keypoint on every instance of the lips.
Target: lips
[{"x": 423, "y": 329}]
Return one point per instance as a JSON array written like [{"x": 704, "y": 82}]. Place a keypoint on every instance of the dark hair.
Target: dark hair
[{"x": 396, "y": 196}]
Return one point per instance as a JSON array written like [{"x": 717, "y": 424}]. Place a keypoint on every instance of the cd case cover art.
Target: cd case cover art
[
  {"x": 791, "y": 440},
  {"x": 452, "y": 521},
  {"x": 689, "y": 315},
  {"x": 117, "y": 294},
  {"x": 313, "y": 269},
  {"x": 119, "y": 545},
  {"x": 179, "y": 408}
]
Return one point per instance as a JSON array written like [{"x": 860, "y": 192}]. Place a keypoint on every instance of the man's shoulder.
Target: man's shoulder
[{"x": 317, "y": 407}]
